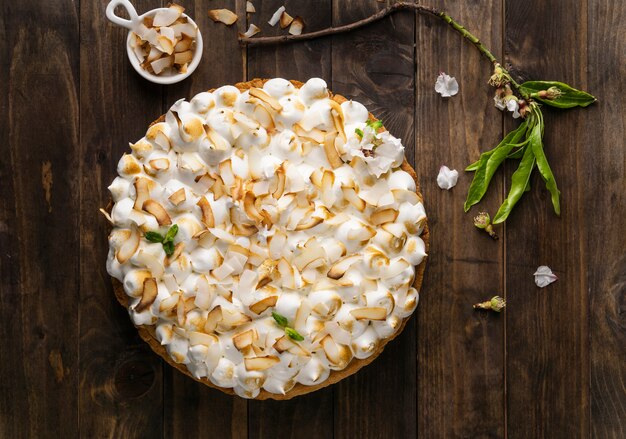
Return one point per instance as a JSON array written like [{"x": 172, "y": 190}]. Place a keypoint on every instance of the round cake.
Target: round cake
[{"x": 268, "y": 238}]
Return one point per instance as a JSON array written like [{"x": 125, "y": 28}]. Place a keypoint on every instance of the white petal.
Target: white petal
[
  {"x": 544, "y": 276},
  {"x": 447, "y": 178},
  {"x": 446, "y": 85}
]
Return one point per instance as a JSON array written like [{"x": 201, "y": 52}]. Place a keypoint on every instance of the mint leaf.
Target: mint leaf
[
  {"x": 374, "y": 124},
  {"x": 280, "y": 320},
  {"x": 292, "y": 333},
  {"x": 171, "y": 233},
  {"x": 154, "y": 237},
  {"x": 169, "y": 248},
  {"x": 359, "y": 132}
]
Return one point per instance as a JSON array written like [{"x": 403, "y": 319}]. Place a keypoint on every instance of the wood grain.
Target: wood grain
[
  {"x": 375, "y": 67},
  {"x": 547, "y": 329},
  {"x": 553, "y": 365},
  {"x": 121, "y": 379},
  {"x": 39, "y": 296},
  {"x": 308, "y": 415},
  {"x": 460, "y": 351},
  {"x": 605, "y": 240}
]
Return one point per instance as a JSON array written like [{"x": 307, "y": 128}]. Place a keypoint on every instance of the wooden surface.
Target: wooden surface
[{"x": 553, "y": 365}]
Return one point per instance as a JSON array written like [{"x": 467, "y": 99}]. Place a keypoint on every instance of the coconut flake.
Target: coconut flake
[
  {"x": 544, "y": 276},
  {"x": 253, "y": 29},
  {"x": 296, "y": 26},
  {"x": 276, "y": 16},
  {"x": 225, "y": 16},
  {"x": 250, "y": 8}
]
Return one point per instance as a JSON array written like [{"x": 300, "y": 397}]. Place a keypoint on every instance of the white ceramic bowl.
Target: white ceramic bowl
[{"x": 133, "y": 24}]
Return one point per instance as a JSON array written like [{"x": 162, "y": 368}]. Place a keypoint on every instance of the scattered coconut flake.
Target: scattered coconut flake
[
  {"x": 447, "y": 178},
  {"x": 285, "y": 20},
  {"x": 253, "y": 29},
  {"x": 250, "y": 8},
  {"x": 225, "y": 16},
  {"x": 276, "y": 16},
  {"x": 446, "y": 85},
  {"x": 296, "y": 26},
  {"x": 544, "y": 276}
]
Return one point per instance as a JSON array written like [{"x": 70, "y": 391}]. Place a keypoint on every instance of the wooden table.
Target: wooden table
[{"x": 553, "y": 365}]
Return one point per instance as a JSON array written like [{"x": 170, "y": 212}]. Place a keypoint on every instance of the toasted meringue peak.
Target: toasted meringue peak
[{"x": 280, "y": 208}]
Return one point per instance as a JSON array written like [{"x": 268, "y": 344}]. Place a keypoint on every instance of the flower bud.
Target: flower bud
[
  {"x": 496, "y": 304},
  {"x": 483, "y": 221},
  {"x": 499, "y": 78}
]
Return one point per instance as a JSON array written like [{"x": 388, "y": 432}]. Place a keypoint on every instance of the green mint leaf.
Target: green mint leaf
[
  {"x": 169, "y": 248},
  {"x": 292, "y": 333},
  {"x": 519, "y": 182},
  {"x": 154, "y": 237},
  {"x": 359, "y": 132},
  {"x": 374, "y": 124},
  {"x": 171, "y": 233},
  {"x": 488, "y": 164},
  {"x": 570, "y": 97},
  {"x": 280, "y": 320},
  {"x": 544, "y": 168}
]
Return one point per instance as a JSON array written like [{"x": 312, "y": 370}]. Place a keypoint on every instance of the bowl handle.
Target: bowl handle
[{"x": 130, "y": 9}]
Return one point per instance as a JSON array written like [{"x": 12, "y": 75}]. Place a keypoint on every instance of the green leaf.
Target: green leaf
[
  {"x": 544, "y": 168},
  {"x": 169, "y": 248},
  {"x": 518, "y": 154},
  {"x": 292, "y": 333},
  {"x": 519, "y": 182},
  {"x": 280, "y": 320},
  {"x": 488, "y": 164},
  {"x": 374, "y": 124},
  {"x": 171, "y": 233},
  {"x": 359, "y": 132},
  {"x": 569, "y": 98},
  {"x": 474, "y": 165},
  {"x": 154, "y": 237}
]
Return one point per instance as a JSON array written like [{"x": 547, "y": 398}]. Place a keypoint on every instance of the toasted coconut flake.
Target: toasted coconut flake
[
  {"x": 338, "y": 355},
  {"x": 223, "y": 16},
  {"x": 280, "y": 186},
  {"x": 372, "y": 313},
  {"x": 151, "y": 262},
  {"x": 263, "y": 304},
  {"x": 245, "y": 339},
  {"x": 148, "y": 295},
  {"x": 213, "y": 318},
  {"x": 269, "y": 100},
  {"x": 155, "y": 209},
  {"x": 338, "y": 119},
  {"x": 331, "y": 153},
  {"x": 178, "y": 197},
  {"x": 308, "y": 223},
  {"x": 384, "y": 216},
  {"x": 339, "y": 268},
  {"x": 167, "y": 16},
  {"x": 260, "y": 363},
  {"x": 296, "y": 26},
  {"x": 142, "y": 191},
  {"x": 184, "y": 44},
  {"x": 276, "y": 17},
  {"x": 161, "y": 64},
  {"x": 283, "y": 344},
  {"x": 249, "y": 207},
  {"x": 128, "y": 249},
  {"x": 107, "y": 216},
  {"x": 184, "y": 58},
  {"x": 196, "y": 338},
  {"x": 166, "y": 45},
  {"x": 350, "y": 194},
  {"x": 250, "y": 8},
  {"x": 207, "y": 213},
  {"x": 285, "y": 19},
  {"x": 309, "y": 255},
  {"x": 253, "y": 29}
]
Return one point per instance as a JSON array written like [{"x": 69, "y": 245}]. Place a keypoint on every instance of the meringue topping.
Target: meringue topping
[{"x": 285, "y": 202}]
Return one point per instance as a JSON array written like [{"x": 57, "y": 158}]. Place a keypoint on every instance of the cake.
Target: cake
[{"x": 268, "y": 238}]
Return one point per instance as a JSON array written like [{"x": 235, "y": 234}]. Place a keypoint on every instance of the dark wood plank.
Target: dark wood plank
[
  {"x": 121, "y": 378},
  {"x": 460, "y": 351},
  {"x": 605, "y": 214},
  {"x": 547, "y": 329},
  {"x": 375, "y": 66},
  {"x": 38, "y": 219},
  {"x": 192, "y": 409},
  {"x": 308, "y": 416}
]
